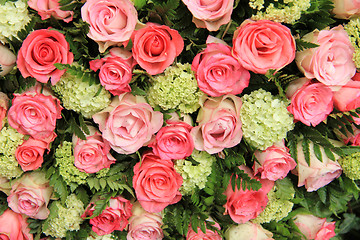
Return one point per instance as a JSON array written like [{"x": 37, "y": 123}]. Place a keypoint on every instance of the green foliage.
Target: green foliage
[
  {"x": 57, "y": 181},
  {"x": 280, "y": 80},
  {"x": 303, "y": 45},
  {"x": 78, "y": 71},
  {"x": 35, "y": 226}
]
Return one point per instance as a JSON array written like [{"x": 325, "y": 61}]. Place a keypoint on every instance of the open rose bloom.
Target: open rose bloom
[
  {"x": 13, "y": 226},
  {"x": 48, "y": 8},
  {"x": 314, "y": 227}
]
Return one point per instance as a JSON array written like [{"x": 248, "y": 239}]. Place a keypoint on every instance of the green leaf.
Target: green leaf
[
  {"x": 329, "y": 154},
  {"x": 303, "y": 45},
  {"x": 317, "y": 152},
  {"x": 59, "y": 185},
  {"x": 306, "y": 149},
  {"x": 322, "y": 194},
  {"x": 139, "y": 3}
]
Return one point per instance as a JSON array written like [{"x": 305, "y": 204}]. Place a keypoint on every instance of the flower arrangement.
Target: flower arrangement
[{"x": 169, "y": 119}]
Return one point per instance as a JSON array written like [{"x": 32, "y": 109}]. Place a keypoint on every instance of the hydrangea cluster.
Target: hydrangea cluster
[
  {"x": 94, "y": 236},
  {"x": 65, "y": 161},
  {"x": 176, "y": 88},
  {"x": 350, "y": 165},
  {"x": 14, "y": 16},
  {"x": 194, "y": 176},
  {"x": 10, "y": 139},
  {"x": 79, "y": 96},
  {"x": 265, "y": 119},
  {"x": 67, "y": 218},
  {"x": 353, "y": 30}
]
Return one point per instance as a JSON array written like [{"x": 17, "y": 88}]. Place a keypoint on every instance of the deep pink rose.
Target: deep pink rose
[
  {"x": 173, "y": 141},
  {"x": 4, "y": 105},
  {"x": 114, "y": 217},
  {"x": 348, "y": 97},
  {"x": 219, "y": 124},
  {"x": 208, "y": 235},
  {"x": 244, "y": 205},
  {"x": 210, "y": 14},
  {"x": 128, "y": 123},
  {"x": 314, "y": 228},
  {"x": 263, "y": 45},
  {"x": 115, "y": 70},
  {"x": 345, "y": 9},
  {"x": 332, "y": 62},
  {"x": 156, "y": 46},
  {"x": 311, "y": 102},
  {"x": 30, "y": 154},
  {"x": 156, "y": 183},
  {"x": 38, "y": 53},
  {"x": 318, "y": 173},
  {"x": 111, "y": 22},
  {"x": 274, "y": 163},
  {"x": 13, "y": 226},
  {"x": 218, "y": 72},
  {"x": 30, "y": 195},
  {"x": 93, "y": 154},
  {"x": 7, "y": 60},
  {"x": 48, "y": 8}
]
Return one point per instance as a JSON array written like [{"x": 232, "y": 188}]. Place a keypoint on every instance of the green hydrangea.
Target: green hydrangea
[
  {"x": 265, "y": 119},
  {"x": 176, "y": 88},
  {"x": 79, "y": 96},
  {"x": 10, "y": 139},
  {"x": 66, "y": 218},
  {"x": 194, "y": 176},
  {"x": 65, "y": 161},
  {"x": 351, "y": 165},
  {"x": 14, "y": 16},
  {"x": 353, "y": 30}
]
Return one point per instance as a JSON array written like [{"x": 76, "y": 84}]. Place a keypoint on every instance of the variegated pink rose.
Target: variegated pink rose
[
  {"x": 4, "y": 105},
  {"x": 7, "y": 60},
  {"x": 314, "y": 227},
  {"x": 50, "y": 8},
  {"x": 345, "y": 9}
]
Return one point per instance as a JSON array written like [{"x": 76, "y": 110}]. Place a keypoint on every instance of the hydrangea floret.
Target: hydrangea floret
[
  {"x": 194, "y": 176},
  {"x": 14, "y": 16},
  {"x": 176, "y": 88},
  {"x": 65, "y": 161},
  {"x": 353, "y": 30},
  {"x": 68, "y": 218},
  {"x": 350, "y": 165},
  {"x": 265, "y": 119}
]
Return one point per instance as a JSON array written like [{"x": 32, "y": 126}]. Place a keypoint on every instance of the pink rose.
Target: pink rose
[
  {"x": 115, "y": 70},
  {"x": 348, "y": 97},
  {"x": 353, "y": 138},
  {"x": 314, "y": 228},
  {"x": 7, "y": 60},
  {"x": 30, "y": 195},
  {"x": 156, "y": 46},
  {"x": 274, "y": 163},
  {"x": 144, "y": 225},
  {"x": 48, "y": 8},
  {"x": 318, "y": 173},
  {"x": 218, "y": 72},
  {"x": 208, "y": 235},
  {"x": 114, "y": 217},
  {"x": 219, "y": 124},
  {"x": 331, "y": 63},
  {"x": 311, "y": 102},
  {"x": 244, "y": 205},
  {"x": 35, "y": 114},
  {"x": 30, "y": 154},
  {"x": 345, "y": 9},
  {"x": 4, "y": 105},
  {"x": 156, "y": 183},
  {"x": 210, "y": 14},
  {"x": 111, "y": 22},
  {"x": 93, "y": 154},
  {"x": 263, "y": 45},
  {"x": 248, "y": 231},
  {"x": 173, "y": 141},
  {"x": 38, "y": 53},
  {"x": 13, "y": 226},
  {"x": 128, "y": 123}
]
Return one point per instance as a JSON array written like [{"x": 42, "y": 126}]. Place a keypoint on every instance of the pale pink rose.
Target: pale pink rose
[
  {"x": 114, "y": 217},
  {"x": 4, "y": 105},
  {"x": 244, "y": 205},
  {"x": 111, "y": 22},
  {"x": 128, "y": 123},
  {"x": 115, "y": 70},
  {"x": 173, "y": 141},
  {"x": 144, "y": 225},
  {"x": 348, "y": 97},
  {"x": 38, "y": 53},
  {"x": 210, "y": 14},
  {"x": 311, "y": 102},
  {"x": 7, "y": 60},
  {"x": 248, "y": 231},
  {"x": 353, "y": 138},
  {"x": 156, "y": 183},
  {"x": 93, "y": 154},
  {"x": 13, "y": 226},
  {"x": 208, "y": 235},
  {"x": 30, "y": 154},
  {"x": 218, "y": 72},
  {"x": 50, "y": 8},
  {"x": 30, "y": 195},
  {"x": 345, "y": 9},
  {"x": 313, "y": 227},
  {"x": 274, "y": 163},
  {"x": 331, "y": 63},
  {"x": 219, "y": 124},
  {"x": 317, "y": 174},
  {"x": 263, "y": 45},
  {"x": 155, "y": 47}
]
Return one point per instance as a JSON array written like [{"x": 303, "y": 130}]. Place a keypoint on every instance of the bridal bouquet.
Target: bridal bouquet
[{"x": 169, "y": 119}]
